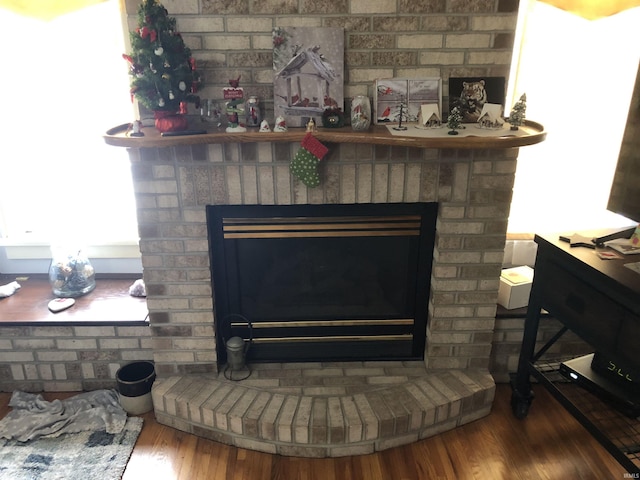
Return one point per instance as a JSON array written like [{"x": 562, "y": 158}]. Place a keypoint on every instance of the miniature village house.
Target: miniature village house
[
  {"x": 429, "y": 116},
  {"x": 491, "y": 116}
]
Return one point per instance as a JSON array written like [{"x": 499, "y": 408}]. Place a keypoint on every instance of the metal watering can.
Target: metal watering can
[{"x": 236, "y": 347}]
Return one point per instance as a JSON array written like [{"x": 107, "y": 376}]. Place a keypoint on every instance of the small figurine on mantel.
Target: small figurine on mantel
[
  {"x": 264, "y": 127},
  {"x": 136, "y": 129},
  {"x": 235, "y": 105},
  {"x": 518, "y": 113},
  {"x": 491, "y": 116},
  {"x": 281, "y": 124},
  {"x": 429, "y": 116},
  {"x": 311, "y": 126},
  {"x": 403, "y": 114},
  {"x": 252, "y": 111},
  {"x": 454, "y": 121}
]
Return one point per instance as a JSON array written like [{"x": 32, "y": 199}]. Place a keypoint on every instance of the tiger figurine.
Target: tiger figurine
[{"x": 472, "y": 99}]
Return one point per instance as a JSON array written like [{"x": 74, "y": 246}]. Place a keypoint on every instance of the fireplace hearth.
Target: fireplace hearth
[{"x": 322, "y": 282}]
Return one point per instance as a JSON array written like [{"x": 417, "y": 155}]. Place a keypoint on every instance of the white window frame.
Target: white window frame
[
  {"x": 543, "y": 174},
  {"x": 25, "y": 255}
]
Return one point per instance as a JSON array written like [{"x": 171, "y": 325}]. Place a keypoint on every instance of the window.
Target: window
[
  {"x": 578, "y": 76},
  {"x": 64, "y": 84}
]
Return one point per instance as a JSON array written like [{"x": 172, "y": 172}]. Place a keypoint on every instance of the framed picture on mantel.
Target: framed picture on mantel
[
  {"x": 308, "y": 68},
  {"x": 471, "y": 93},
  {"x": 409, "y": 93}
]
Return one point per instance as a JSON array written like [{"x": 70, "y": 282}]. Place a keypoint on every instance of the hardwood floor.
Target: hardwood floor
[{"x": 548, "y": 444}]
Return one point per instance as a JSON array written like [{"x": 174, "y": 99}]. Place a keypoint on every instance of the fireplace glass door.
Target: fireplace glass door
[{"x": 323, "y": 282}]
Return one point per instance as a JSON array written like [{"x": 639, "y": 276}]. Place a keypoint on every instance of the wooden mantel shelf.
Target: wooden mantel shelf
[{"x": 531, "y": 134}]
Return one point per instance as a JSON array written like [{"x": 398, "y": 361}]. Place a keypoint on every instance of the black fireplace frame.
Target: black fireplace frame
[{"x": 373, "y": 339}]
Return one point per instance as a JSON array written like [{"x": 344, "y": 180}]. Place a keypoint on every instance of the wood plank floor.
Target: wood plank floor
[{"x": 548, "y": 444}]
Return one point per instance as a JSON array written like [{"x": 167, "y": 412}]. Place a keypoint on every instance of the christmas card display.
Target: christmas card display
[
  {"x": 393, "y": 95},
  {"x": 308, "y": 66},
  {"x": 162, "y": 72}
]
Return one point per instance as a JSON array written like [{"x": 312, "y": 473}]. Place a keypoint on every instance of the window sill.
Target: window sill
[
  {"x": 109, "y": 304},
  {"x": 16, "y": 250}
]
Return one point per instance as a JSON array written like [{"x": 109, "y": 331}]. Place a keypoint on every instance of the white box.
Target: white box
[{"x": 515, "y": 287}]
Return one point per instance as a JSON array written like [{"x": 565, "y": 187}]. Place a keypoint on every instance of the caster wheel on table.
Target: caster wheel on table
[{"x": 520, "y": 408}]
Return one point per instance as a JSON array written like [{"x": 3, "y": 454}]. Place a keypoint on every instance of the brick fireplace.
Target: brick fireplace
[
  {"x": 173, "y": 186},
  {"x": 462, "y": 38},
  {"x": 378, "y": 405}
]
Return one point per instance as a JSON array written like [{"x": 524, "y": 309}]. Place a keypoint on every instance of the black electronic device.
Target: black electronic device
[
  {"x": 579, "y": 371},
  {"x": 624, "y": 196},
  {"x": 620, "y": 374}
]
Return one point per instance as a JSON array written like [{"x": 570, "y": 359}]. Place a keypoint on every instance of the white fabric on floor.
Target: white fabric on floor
[{"x": 33, "y": 417}]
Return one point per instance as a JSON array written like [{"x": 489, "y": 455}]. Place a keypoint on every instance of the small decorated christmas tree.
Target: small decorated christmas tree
[
  {"x": 163, "y": 73},
  {"x": 454, "y": 121},
  {"x": 518, "y": 113}
]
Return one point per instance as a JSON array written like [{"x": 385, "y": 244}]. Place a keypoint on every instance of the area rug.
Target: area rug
[{"x": 90, "y": 455}]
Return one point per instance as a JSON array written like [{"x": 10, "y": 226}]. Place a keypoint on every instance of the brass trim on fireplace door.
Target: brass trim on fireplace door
[
  {"x": 324, "y": 323},
  {"x": 301, "y": 227},
  {"x": 309, "y": 220},
  {"x": 319, "y": 226},
  {"x": 337, "y": 338},
  {"x": 349, "y": 233}
]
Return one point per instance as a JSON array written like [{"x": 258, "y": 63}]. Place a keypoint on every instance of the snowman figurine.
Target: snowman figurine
[
  {"x": 264, "y": 126},
  {"x": 281, "y": 125}
]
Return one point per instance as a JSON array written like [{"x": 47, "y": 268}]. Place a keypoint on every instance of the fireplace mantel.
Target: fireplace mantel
[{"x": 376, "y": 135}]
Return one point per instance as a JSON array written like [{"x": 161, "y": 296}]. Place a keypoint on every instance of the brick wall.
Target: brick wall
[
  {"x": 87, "y": 358},
  {"x": 173, "y": 186},
  {"x": 507, "y": 340},
  {"x": 383, "y": 38},
  {"x": 69, "y": 358}
]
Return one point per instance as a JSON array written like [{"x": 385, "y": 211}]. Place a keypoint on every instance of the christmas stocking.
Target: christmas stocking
[{"x": 305, "y": 162}]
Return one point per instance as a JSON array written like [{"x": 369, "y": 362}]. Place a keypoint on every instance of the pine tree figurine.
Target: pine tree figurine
[
  {"x": 454, "y": 121},
  {"x": 518, "y": 113},
  {"x": 162, "y": 71}
]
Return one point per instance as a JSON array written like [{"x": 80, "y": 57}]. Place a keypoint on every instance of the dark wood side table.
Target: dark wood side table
[{"x": 599, "y": 300}]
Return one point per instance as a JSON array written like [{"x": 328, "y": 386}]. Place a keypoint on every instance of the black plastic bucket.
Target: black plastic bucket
[{"x": 135, "y": 380}]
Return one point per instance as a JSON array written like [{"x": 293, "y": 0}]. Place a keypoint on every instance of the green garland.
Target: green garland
[{"x": 162, "y": 71}]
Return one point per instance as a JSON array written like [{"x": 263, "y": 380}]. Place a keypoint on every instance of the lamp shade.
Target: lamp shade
[
  {"x": 593, "y": 9},
  {"x": 45, "y": 9}
]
